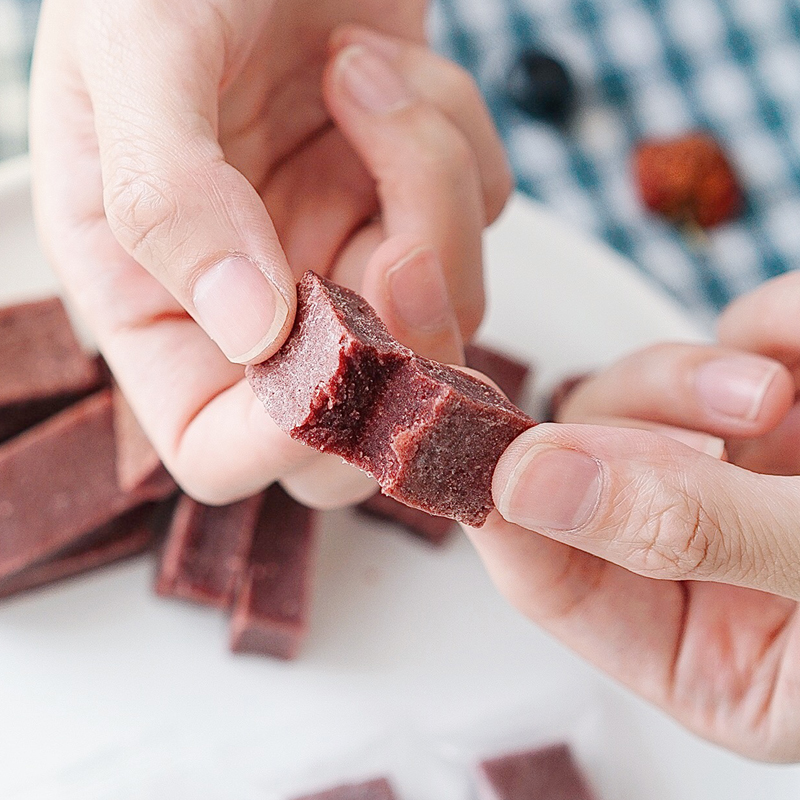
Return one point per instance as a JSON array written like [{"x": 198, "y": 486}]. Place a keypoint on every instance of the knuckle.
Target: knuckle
[
  {"x": 670, "y": 537},
  {"x": 140, "y": 208}
]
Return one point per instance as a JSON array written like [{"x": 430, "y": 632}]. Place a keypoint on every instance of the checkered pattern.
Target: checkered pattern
[
  {"x": 17, "y": 27},
  {"x": 645, "y": 67},
  {"x": 652, "y": 68}
]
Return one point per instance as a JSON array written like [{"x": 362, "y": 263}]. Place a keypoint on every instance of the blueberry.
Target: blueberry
[{"x": 542, "y": 87}]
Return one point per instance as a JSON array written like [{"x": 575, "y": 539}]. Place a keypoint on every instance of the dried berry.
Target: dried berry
[
  {"x": 688, "y": 179},
  {"x": 542, "y": 87}
]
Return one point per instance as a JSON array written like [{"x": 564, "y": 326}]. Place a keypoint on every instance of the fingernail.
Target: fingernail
[
  {"x": 418, "y": 292},
  {"x": 239, "y": 308},
  {"x": 552, "y": 489},
  {"x": 371, "y": 81},
  {"x": 379, "y": 43},
  {"x": 702, "y": 442},
  {"x": 735, "y": 386}
]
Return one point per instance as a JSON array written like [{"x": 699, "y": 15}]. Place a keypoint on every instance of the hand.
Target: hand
[
  {"x": 675, "y": 572},
  {"x": 190, "y": 162}
]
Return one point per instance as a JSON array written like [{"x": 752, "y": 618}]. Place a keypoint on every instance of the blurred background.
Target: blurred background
[{"x": 639, "y": 68}]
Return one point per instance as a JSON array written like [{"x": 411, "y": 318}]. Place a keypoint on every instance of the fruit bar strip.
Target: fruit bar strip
[
  {"x": 58, "y": 482},
  {"x": 43, "y": 367},
  {"x": 429, "y": 434},
  {"x": 508, "y": 373},
  {"x": 128, "y": 536},
  {"x": 270, "y": 613},
  {"x": 549, "y": 773},
  {"x": 137, "y": 461},
  {"x": 433, "y": 529},
  {"x": 377, "y": 789},
  {"x": 206, "y": 551}
]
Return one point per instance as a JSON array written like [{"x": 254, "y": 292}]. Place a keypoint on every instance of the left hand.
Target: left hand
[{"x": 673, "y": 571}]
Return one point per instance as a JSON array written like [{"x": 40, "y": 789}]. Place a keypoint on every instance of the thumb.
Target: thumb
[
  {"x": 653, "y": 506},
  {"x": 170, "y": 198}
]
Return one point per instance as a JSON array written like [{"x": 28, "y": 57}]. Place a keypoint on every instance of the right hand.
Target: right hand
[
  {"x": 189, "y": 164},
  {"x": 674, "y": 571}
]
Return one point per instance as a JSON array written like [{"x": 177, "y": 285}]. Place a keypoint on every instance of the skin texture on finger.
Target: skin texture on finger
[
  {"x": 424, "y": 167},
  {"x": 652, "y": 505},
  {"x": 720, "y": 659},
  {"x": 711, "y": 389},
  {"x": 453, "y": 91}
]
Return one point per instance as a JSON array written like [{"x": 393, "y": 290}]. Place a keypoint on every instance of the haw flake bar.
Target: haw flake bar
[
  {"x": 546, "y": 774},
  {"x": 377, "y": 789},
  {"x": 137, "y": 461},
  {"x": 508, "y": 373},
  {"x": 43, "y": 367},
  {"x": 206, "y": 551},
  {"x": 123, "y": 538},
  {"x": 433, "y": 529},
  {"x": 58, "y": 483},
  {"x": 429, "y": 434},
  {"x": 270, "y": 614}
]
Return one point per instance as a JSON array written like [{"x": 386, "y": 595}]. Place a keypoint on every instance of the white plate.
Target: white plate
[{"x": 107, "y": 692}]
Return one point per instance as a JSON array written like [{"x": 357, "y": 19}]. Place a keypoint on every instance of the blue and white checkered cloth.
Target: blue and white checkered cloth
[{"x": 644, "y": 68}]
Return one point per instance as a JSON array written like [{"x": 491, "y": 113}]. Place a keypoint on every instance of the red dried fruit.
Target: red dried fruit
[{"x": 688, "y": 179}]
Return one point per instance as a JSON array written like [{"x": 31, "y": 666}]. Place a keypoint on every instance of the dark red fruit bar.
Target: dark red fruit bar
[
  {"x": 377, "y": 789},
  {"x": 123, "y": 538},
  {"x": 58, "y": 482},
  {"x": 433, "y": 529},
  {"x": 206, "y": 551},
  {"x": 270, "y": 614},
  {"x": 429, "y": 434},
  {"x": 137, "y": 460},
  {"x": 688, "y": 179},
  {"x": 508, "y": 373},
  {"x": 546, "y": 774},
  {"x": 43, "y": 367}
]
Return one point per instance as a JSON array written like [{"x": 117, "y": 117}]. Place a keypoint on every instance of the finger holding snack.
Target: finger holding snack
[
  {"x": 198, "y": 204},
  {"x": 668, "y": 568}
]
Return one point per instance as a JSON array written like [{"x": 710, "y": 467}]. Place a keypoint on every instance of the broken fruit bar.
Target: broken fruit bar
[
  {"x": 58, "y": 483},
  {"x": 688, "y": 179},
  {"x": 546, "y": 774},
  {"x": 377, "y": 789},
  {"x": 270, "y": 613},
  {"x": 433, "y": 529},
  {"x": 123, "y": 538},
  {"x": 508, "y": 373},
  {"x": 429, "y": 434},
  {"x": 43, "y": 367},
  {"x": 206, "y": 551}
]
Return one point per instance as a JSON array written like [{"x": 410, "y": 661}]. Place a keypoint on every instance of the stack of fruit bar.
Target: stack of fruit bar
[
  {"x": 81, "y": 487},
  {"x": 548, "y": 773}
]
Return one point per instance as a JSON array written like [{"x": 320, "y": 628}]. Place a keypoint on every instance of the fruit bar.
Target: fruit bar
[
  {"x": 433, "y": 529},
  {"x": 137, "y": 461},
  {"x": 546, "y": 774},
  {"x": 510, "y": 375},
  {"x": 123, "y": 538},
  {"x": 58, "y": 483},
  {"x": 429, "y": 434},
  {"x": 206, "y": 551},
  {"x": 43, "y": 367},
  {"x": 377, "y": 789},
  {"x": 270, "y": 614}
]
